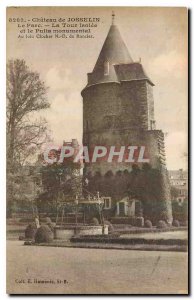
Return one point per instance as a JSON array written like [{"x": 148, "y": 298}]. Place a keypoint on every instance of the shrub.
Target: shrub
[
  {"x": 30, "y": 231},
  {"x": 110, "y": 226},
  {"x": 139, "y": 222},
  {"x": 94, "y": 221},
  {"x": 43, "y": 235},
  {"x": 176, "y": 223},
  {"x": 161, "y": 224},
  {"x": 48, "y": 220},
  {"x": 51, "y": 226},
  {"x": 28, "y": 243},
  {"x": 148, "y": 224}
]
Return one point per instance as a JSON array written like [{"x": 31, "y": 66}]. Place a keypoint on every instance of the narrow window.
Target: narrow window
[
  {"x": 106, "y": 68},
  {"x": 152, "y": 124},
  {"x": 87, "y": 125}
]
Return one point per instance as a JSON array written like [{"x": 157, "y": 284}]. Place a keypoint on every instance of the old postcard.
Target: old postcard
[{"x": 97, "y": 174}]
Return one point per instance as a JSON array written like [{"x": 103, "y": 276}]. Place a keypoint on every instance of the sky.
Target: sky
[{"x": 156, "y": 35}]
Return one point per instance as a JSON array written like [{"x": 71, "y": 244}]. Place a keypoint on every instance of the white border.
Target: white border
[
  {"x": 185, "y": 3},
  {"x": 3, "y": 5}
]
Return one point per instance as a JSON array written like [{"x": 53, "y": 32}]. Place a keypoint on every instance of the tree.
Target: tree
[
  {"x": 61, "y": 182},
  {"x": 26, "y": 96},
  {"x": 174, "y": 192}
]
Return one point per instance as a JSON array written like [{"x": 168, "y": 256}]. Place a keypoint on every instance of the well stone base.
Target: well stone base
[{"x": 67, "y": 231}]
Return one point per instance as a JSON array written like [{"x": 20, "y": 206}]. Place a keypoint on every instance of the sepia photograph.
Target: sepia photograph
[{"x": 97, "y": 150}]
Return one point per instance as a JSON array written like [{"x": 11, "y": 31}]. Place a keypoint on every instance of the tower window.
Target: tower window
[
  {"x": 152, "y": 124},
  {"x": 106, "y": 68}
]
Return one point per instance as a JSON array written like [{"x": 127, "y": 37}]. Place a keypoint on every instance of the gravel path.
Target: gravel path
[{"x": 93, "y": 271}]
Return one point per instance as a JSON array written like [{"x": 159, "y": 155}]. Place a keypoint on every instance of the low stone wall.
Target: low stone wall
[
  {"x": 92, "y": 230},
  {"x": 68, "y": 231},
  {"x": 63, "y": 233}
]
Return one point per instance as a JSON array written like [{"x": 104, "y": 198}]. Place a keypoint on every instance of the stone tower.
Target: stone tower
[{"x": 118, "y": 109}]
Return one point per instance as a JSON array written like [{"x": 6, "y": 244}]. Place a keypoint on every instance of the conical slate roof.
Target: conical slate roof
[
  {"x": 114, "y": 63},
  {"x": 114, "y": 50}
]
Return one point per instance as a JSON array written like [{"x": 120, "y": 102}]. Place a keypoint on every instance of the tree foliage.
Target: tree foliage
[
  {"x": 147, "y": 184},
  {"x": 26, "y": 94},
  {"x": 61, "y": 183}
]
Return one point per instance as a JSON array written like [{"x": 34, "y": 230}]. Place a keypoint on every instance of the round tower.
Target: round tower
[
  {"x": 115, "y": 101},
  {"x": 118, "y": 110}
]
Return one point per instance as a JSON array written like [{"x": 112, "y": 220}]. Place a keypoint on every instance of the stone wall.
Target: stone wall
[{"x": 120, "y": 114}]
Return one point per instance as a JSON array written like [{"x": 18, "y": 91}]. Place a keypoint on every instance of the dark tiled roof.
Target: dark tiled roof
[
  {"x": 133, "y": 71},
  {"x": 121, "y": 65}
]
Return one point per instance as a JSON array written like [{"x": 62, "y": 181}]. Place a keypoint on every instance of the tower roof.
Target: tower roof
[
  {"x": 114, "y": 63},
  {"x": 114, "y": 50}
]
